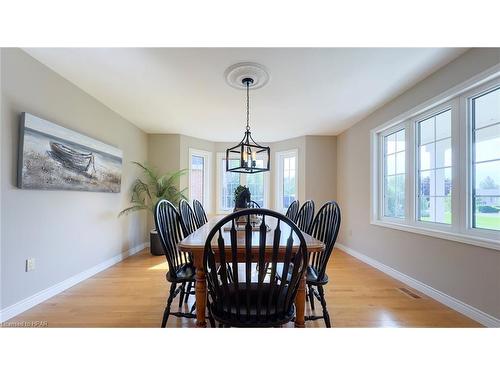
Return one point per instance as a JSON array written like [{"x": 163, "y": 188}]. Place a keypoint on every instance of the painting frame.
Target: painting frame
[{"x": 53, "y": 157}]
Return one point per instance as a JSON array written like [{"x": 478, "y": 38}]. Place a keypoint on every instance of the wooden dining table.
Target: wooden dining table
[{"x": 195, "y": 245}]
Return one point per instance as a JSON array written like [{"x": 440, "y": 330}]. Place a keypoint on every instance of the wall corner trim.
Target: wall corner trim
[
  {"x": 37, "y": 298},
  {"x": 453, "y": 303}
]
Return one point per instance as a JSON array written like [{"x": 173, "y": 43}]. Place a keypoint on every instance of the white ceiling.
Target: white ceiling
[{"x": 183, "y": 90}]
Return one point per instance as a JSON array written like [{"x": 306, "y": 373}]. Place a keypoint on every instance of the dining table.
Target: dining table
[{"x": 195, "y": 245}]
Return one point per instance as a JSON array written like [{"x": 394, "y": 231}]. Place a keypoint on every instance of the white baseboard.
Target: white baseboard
[
  {"x": 28, "y": 303},
  {"x": 453, "y": 303}
]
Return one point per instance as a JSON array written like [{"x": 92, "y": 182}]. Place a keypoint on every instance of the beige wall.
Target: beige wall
[
  {"x": 321, "y": 169},
  {"x": 67, "y": 232},
  {"x": 163, "y": 155},
  {"x": 468, "y": 273},
  {"x": 164, "y": 151}
]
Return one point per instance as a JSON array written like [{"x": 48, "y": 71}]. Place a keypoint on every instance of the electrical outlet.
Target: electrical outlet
[{"x": 30, "y": 264}]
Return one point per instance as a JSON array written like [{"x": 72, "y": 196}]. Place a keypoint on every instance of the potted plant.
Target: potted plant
[
  {"x": 146, "y": 192},
  {"x": 241, "y": 197}
]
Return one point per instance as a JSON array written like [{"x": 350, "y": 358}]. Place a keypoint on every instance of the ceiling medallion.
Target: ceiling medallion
[{"x": 237, "y": 72}]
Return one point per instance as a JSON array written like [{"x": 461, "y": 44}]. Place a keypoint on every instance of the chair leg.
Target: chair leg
[
  {"x": 211, "y": 319},
  {"x": 166, "y": 313},
  {"x": 188, "y": 292},
  {"x": 326, "y": 316},
  {"x": 311, "y": 297},
  {"x": 181, "y": 298}
]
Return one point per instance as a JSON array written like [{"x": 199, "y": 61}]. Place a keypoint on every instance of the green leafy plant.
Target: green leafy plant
[
  {"x": 241, "y": 196},
  {"x": 146, "y": 192}
]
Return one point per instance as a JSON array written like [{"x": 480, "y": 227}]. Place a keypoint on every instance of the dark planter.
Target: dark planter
[{"x": 155, "y": 246}]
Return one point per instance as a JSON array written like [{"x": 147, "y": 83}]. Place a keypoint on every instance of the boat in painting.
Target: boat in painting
[{"x": 79, "y": 161}]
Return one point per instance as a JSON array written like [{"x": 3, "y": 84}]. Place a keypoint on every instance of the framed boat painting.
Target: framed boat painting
[{"x": 52, "y": 157}]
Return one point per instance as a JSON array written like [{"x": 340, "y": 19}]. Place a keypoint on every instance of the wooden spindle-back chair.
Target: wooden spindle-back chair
[
  {"x": 254, "y": 296},
  {"x": 180, "y": 267},
  {"x": 325, "y": 228}
]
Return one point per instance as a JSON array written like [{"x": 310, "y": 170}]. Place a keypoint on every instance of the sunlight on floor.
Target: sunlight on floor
[{"x": 161, "y": 266}]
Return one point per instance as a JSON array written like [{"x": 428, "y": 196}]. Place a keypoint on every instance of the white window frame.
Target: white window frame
[
  {"x": 467, "y": 136},
  {"x": 414, "y": 188},
  {"x": 207, "y": 157},
  {"x": 243, "y": 177},
  {"x": 458, "y": 99},
  {"x": 279, "y": 157},
  {"x": 381, "y": 167}
]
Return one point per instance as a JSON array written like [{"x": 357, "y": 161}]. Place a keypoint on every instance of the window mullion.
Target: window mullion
[
  {"x": 457, "y": 178},
  {"x": 410, "y": 175}
]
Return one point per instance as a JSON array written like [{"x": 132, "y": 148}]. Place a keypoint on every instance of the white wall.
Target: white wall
[
  {"x": 468, "y": 273},
  {"x": 67, "y": 232}
]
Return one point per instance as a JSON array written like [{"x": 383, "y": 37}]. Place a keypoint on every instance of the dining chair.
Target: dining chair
[
  {"x": 292, "y": 210},
  {"x": 325, "y": 228},
  {"x": 254, "y": 297},
  {"x": 180, "y": 267},
  {"x": 188, "y": 218},
  {"x": 305, "y": 216},
  {"x": 253, "y": 204},
  {"x": 199, "y": 213}
]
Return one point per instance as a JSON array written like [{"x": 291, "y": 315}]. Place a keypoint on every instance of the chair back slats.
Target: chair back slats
[
  {"x": 167, "y": 221},
  {"x": 188, "y": 219},
  {"x": 292, "y": 211},
  {"x": 234, "y": 257},
  {"x": 305, "y": 216},
  {"x": 274, "y": 265},
  {"x": 262, "y": 268},
  {"x": 223, "y": 271},
  {"x": 199, "y": 213},
  {"x": 248, "y": 262},
  {"x": 325, "y": 228},
  {"x": 264, "y": 281}
]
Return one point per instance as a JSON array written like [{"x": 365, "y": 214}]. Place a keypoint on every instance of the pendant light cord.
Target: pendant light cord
[{"x": 248, "y": 106}]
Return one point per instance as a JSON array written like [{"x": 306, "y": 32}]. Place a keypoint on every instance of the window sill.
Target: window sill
[{"x": 458, "y": 237}]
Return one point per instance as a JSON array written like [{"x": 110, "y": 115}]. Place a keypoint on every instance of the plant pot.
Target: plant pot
[{"x": 155, "y": 246}]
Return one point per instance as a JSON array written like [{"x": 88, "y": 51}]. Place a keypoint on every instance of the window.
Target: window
[
  {"x": 199, "y": 176},
  {"x": 436, "y": 169},
  {"x": 255, "y": 182},
  {"x": 227, "y": 182},
  {"x": 485, "y": 116},
  {"x": 394, "y": 174},
  {"x": 286, "y": 182}
]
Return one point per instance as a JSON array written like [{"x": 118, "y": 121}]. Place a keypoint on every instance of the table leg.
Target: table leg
[
  {"x": 300, "y": 304},
  {"x": 200, "y": 291}
]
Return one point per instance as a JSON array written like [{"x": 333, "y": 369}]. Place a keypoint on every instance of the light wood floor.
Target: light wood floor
[{"x": 133, "y": 294}]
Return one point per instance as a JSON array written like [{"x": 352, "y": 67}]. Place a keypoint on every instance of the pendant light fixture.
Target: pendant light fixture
[{"x": 247, "y": 156}]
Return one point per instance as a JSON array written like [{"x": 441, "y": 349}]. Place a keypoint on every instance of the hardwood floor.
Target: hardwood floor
[{"x": 133, "y": 294}]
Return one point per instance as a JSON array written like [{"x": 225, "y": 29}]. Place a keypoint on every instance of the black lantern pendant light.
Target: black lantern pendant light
[{"x": 248, "y": 156}]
